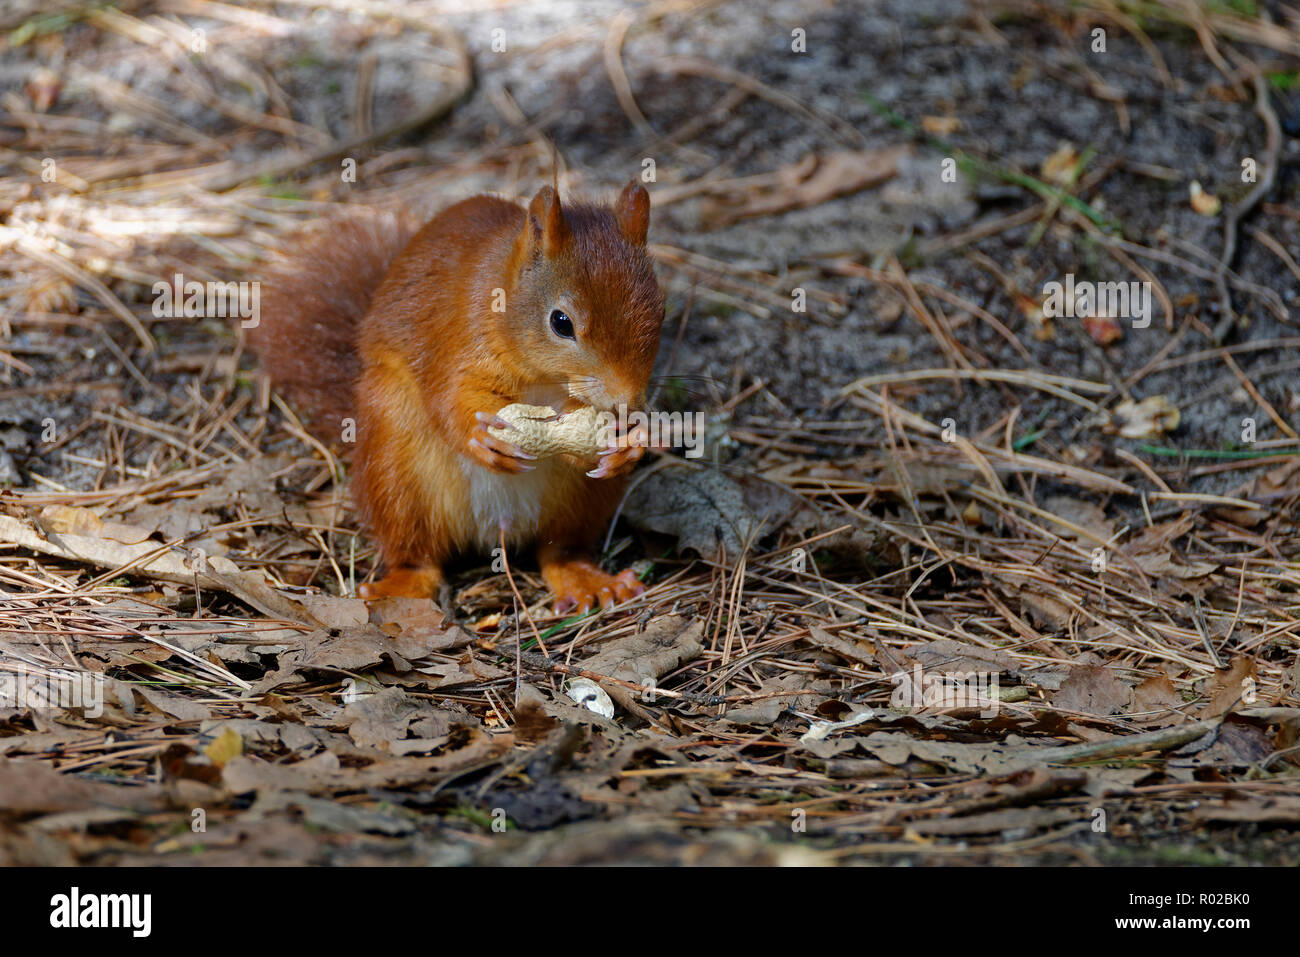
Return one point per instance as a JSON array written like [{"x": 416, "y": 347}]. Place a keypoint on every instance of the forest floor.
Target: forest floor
[{"x": 956, "y": 580}]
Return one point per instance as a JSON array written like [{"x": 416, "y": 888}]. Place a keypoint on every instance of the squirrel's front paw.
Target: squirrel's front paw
[
  {"x": 621, "y": 457},
  {"x": 497, "y": 454}
]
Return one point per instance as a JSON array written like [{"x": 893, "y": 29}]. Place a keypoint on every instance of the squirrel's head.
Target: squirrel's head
[{"x": 585, "y": 309}]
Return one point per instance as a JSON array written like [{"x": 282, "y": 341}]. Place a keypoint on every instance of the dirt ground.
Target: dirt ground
[{"x": 914, "y": 476}]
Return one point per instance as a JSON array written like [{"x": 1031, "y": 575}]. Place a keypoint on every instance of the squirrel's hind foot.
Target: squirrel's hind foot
[
  {"x": 579, "y": 585},
  {"x": 405, "y": 581}
]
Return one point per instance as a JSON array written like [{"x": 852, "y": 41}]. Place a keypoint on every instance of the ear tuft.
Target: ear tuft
[
  {"x": 632, "y": 212},
  {"x": 546, "y": 220}
]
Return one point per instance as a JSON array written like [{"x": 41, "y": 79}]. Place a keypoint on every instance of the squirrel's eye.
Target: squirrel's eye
[{"x": 562, "y": 325}]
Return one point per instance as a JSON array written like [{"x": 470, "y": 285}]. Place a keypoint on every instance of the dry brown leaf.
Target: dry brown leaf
[
  {"x": 1230, "y": 686},
  {"x": 701, "y": 507},
  {"x": 533, "y": 723},
  {"x": 946, "y": 656},
  {"x": 467, "y": 670},
  {"x": 417, "y": 619},
  {"x": 1032, "y": 309},
  {"x": 898, "y": 748},
  {"x": 1046, "y": 610},
  {"x": 383, "y": 720},
  {"x": 323, "y": 772},
  {"x": 226, "y": 747},
  {"x": 1238, "y": 745},
  {"x": 1103, "y": 330},
  {"x": 1083, "y": 514},
  {"x": 173, "y": 704},
  {"x": 850, "y": 648},
  {"x": 144, "y": 559},
  {"x": 1092, "y": 689},
  {"x": 356, "y": 649},
  {"x": 765, "y": 711},
  {"x": 1162, "y": 563},
  {"x": 1156, "y": 694},
  {"x": 259, "y": 735},
  {"x": 1272, "y": 485},
  {"x": 333, "y": 611},
  {"x": 75, "y": 520},
  {"x": 665, "y": 645},
  {"x": 33, "y": 787}
]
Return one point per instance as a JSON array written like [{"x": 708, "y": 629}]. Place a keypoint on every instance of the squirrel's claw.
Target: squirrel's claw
[
  {"x": 492, "y": 421},
  {"x": 620, "y": 458},
  {"x": 497, "y": 454},
  {"x": 582, "y": 587}
]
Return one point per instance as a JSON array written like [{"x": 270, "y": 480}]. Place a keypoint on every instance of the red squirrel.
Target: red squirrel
[{"x": 421, "y": 339}]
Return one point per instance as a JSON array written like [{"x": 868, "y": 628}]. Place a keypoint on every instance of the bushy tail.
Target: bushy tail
[{"x": 311, "y": 307}]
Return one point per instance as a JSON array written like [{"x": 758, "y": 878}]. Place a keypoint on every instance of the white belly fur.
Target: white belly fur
[{"x": 515, "y": 500}]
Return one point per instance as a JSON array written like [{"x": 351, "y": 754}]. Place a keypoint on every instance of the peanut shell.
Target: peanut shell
[{"x": 581, "y": 433}]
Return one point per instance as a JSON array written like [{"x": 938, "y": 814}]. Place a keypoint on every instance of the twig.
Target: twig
[
  {"x": 1162, "y": 740},
  {"x": 1267, "y": 167}
]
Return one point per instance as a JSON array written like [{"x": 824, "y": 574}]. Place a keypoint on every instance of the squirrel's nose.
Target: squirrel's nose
[
  {"x": 627, "y": 401},
  {"x": 623, "y": 395}
]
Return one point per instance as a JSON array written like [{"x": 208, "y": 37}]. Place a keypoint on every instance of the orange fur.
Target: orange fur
[{"x": 432, "y": 352}]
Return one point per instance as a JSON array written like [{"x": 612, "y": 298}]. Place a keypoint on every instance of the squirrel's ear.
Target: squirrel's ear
[
  {"x": 546, "y": 223},
  {"x": 632, "y": 212}
]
